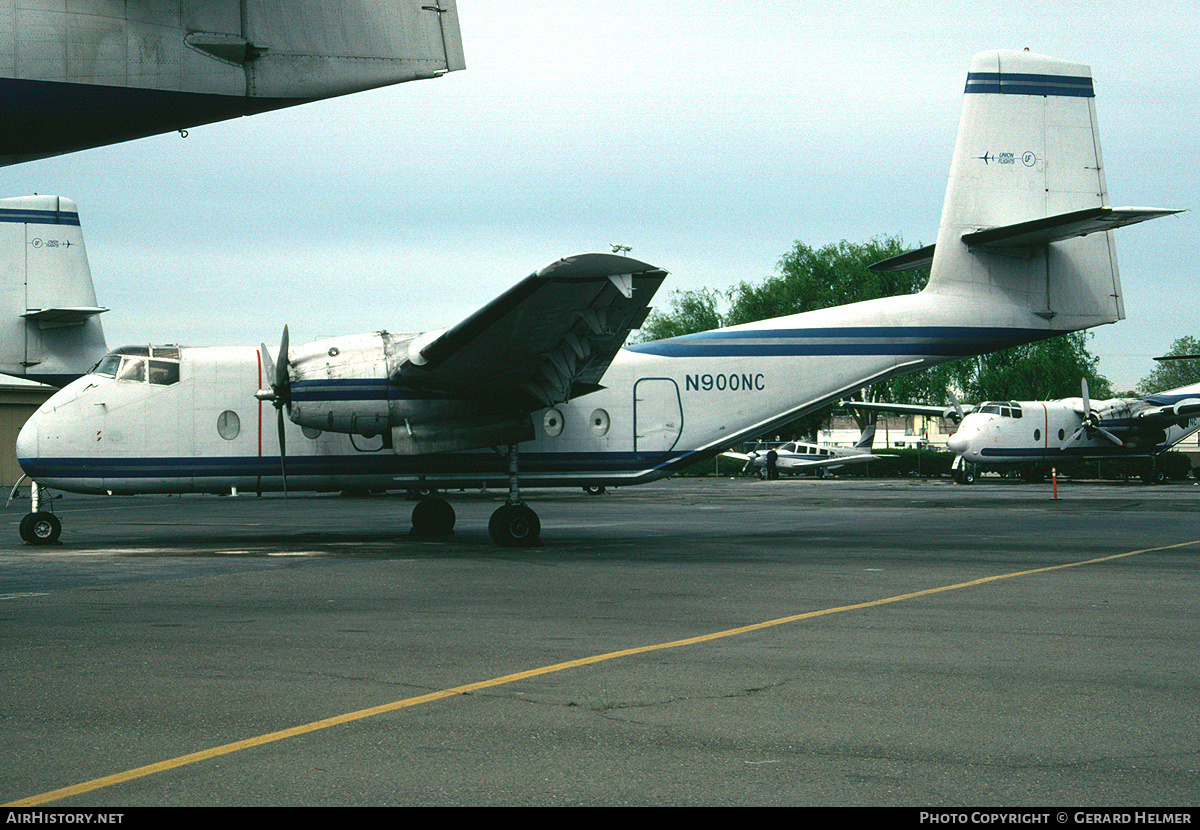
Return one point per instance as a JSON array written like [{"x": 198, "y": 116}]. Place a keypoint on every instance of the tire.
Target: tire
[
  {"x": 40, "y": 528},
  {"x": 594, "y": 489},
  {"x": 432, "y": 517},
  {"x": 515, "y": 526}
]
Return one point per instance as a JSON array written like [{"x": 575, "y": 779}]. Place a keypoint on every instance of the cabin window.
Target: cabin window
[
  {"x": 228, "y": 425},
  {"x": 1037, "y": 435}
]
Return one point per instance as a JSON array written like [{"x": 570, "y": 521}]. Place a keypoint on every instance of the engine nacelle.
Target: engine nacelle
[{"x": 342, "y": 385}]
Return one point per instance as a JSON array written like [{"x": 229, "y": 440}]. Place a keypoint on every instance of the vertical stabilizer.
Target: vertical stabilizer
[
  {"x": 1027, "y": 161},
  {"x": 49, "y": 321}
]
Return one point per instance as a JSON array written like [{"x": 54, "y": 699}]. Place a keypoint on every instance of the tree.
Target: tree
[
  {"x": 1171, "y": 374},
  {"x": 691, "y": 311},
  {"x": 1040, "y": 371}
]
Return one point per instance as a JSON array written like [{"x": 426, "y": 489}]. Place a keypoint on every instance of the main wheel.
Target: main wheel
[
  {"x": 515, "y": 526},
  {"x": 594, "y": 489},
  {"x": 433, "y": 516},
  {"x": 40, "y": 529}
]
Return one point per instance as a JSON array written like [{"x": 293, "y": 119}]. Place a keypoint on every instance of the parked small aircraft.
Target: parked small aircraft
[
  {"x": 802, "y": 457},
  {"x": 49, "y": 322},
  {"x": 536, "y": 387},
  {"x": 94, "y": 72},
  {"x": 1032, "y": 435}
]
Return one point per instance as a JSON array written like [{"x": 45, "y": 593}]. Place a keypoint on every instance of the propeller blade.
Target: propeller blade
[
  {"x": 1110, "y": 436},
  {"x": 1087, "y": 403},
  {"x": 282, "y": 381},
  {"x": 958, "y": 410},
  {"x": 282, "y": 448}
]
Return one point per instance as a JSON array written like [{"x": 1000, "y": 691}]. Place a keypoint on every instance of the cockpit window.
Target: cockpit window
[
  {"x": 158, "y": 365},
  {"x": 1005, "y": 409},
  {"x": 132, "y": 368},
  {"x": 107, "y": 366},
  {"x": 164, "y": 372}
]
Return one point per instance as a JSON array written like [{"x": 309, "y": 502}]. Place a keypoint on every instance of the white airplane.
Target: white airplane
[
  {"x": 94, "y": 72},
  {"x": 1033, "y": 435},
  {"x": 49, "y": 322},
  {"x": 536, "y": 388},
  {"x": 800, "y": 456}
]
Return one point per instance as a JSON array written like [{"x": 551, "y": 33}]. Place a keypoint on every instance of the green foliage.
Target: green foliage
[
  {"x": 1040, "y": 371},
  {"x": 691, "y": 311},
  {"x": 1171, "y": 374},
  {"x": 809, "y": 279}
]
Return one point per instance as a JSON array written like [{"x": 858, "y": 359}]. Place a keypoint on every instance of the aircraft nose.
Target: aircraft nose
[
  {"x": 958, "y": 443},
  {"x": 27, "y": 439}
]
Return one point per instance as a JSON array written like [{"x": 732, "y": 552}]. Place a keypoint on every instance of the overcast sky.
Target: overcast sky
[{"x": 707, "y": 136}]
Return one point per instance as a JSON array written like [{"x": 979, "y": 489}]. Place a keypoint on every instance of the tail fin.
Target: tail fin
[
  {"x": 49, "y": 324},
  {"x": 1026, "y": 219},
  {"x": 866, "y": 439}
]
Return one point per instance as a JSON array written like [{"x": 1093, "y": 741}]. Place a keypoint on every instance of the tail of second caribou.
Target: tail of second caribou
[{"x": 49, "y": 321}]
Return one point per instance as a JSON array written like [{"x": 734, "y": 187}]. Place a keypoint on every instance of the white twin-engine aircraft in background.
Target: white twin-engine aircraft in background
[
  {"x": 1033, "y": 435},
  {"x": 803, "y": 457},
  {"x": 537, "y": 387}
]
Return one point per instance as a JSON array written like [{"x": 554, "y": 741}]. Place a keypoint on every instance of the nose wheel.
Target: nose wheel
[{"x": 40, "y": 528}]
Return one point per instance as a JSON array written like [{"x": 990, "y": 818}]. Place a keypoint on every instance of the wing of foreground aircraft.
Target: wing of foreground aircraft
[
  {"x": 552, "y": 335},
  {"x": 93, "y": 72}
]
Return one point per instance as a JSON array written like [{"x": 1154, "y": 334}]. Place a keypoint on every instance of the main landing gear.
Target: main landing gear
[
  {"x": 39, "y": 527},
  {"x": 513, "y": 525}
]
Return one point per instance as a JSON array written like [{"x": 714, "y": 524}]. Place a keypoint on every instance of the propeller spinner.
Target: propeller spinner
[{"x": 1091, "y": 423}]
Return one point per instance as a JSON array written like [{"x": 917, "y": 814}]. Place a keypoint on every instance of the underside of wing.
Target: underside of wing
[{"x": 549, "y": 338}]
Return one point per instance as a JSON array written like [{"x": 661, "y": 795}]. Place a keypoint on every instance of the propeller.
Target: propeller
[
  {"x": 957, "y": 415},
  {"x": 279, "y": 395},
  {"x": 1091, "y": 423}
]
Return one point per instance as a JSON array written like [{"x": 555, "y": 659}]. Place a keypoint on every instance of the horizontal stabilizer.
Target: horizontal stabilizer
[
  {"x": 1036, "y": 232},
  {"x": 1063, "y": 226},
  {"x": 921, "y": 258},
  {"x": 49, "y": 318}
]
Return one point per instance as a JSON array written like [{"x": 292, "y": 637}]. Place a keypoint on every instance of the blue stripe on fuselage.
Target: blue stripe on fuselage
[{"x": 867, "y": 340}]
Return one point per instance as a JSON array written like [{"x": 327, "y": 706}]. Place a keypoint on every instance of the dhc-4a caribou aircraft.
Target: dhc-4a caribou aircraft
[
  {"x": 537, "y": 387},
  {"x": 1031, "y": 436}
]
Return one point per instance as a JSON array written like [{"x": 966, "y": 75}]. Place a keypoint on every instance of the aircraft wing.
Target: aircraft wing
[
  {"x": 552, "y": 335},
  {"x": 906, "y": 408},
  {"x": 833, "y": 461},
  {"x": 94, "y": 72},
  {"x": 1169, "y": 414}
]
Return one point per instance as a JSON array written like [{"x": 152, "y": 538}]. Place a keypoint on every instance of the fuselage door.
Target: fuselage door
[{"x": 657, "y": 415}]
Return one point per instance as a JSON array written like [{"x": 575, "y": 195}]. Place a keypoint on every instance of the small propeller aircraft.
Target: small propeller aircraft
[
  {"x": 93, "y": 72},
  {"x": 802, "y": 457},
  {"x": 537, "y": 387},
  {"x": 1033, "y": 435}
]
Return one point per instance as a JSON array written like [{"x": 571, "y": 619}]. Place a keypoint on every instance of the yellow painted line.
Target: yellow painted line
[{"x": 237, "y": 746}]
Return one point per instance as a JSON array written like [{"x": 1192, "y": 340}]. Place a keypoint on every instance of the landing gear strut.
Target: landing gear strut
[
  {"x": 514, "y": 524},
  {"x": 39, "y": 527}
]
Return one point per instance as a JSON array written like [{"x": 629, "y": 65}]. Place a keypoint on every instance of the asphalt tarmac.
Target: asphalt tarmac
[{"x": 690, "y": 642}]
